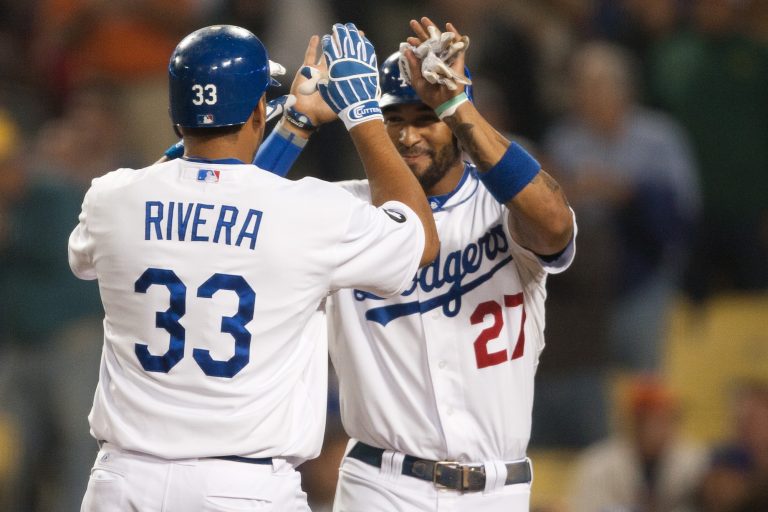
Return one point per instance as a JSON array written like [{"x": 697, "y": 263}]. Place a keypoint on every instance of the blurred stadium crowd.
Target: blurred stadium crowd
[{"x": 652, "y": 114}]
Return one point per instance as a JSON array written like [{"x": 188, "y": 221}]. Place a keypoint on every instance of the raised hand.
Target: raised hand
[
  {"x": 437, "y": 52},
  {"x": 352, "y": 85},
  {"x": 310, "y": 110},
  {"x": 435, "y": 61}
]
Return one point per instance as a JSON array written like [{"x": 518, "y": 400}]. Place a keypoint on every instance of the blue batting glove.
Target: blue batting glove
[
  {"x": 351, "y": 89},
  {"x": 278, "y": 106}
]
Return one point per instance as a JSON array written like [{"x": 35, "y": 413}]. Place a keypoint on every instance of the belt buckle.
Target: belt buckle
[
  {"x": 453, "y": 482},
  {"x": 464, "y": 477}
]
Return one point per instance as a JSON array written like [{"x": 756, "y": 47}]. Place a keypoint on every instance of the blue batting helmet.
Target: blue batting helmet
[
  {"x": 395, "y": 91},
  {"x": 217, "y": 75}
]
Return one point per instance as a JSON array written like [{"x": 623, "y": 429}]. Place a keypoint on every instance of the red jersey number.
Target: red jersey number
[{"x": 483, "y": 357}]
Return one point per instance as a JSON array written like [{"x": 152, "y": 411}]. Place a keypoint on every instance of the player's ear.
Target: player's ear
[{"x": 260, "y": 112}]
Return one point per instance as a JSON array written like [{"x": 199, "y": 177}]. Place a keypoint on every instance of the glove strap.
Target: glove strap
[{"x": 361, "y": 112}]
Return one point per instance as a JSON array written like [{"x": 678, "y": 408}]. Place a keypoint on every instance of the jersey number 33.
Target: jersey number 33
[{"x": 169, "y": 320}]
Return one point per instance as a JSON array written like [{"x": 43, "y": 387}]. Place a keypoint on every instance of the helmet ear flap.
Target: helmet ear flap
[{"x": 217, "y": 76}]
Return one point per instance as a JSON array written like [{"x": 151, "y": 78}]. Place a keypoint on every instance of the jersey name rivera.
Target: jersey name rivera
[{"x": 200, "y": 222}]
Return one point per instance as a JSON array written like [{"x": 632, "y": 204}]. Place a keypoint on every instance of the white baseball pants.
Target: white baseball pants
[
  {"x": 123, "y": 481},
  {"x": 366, "y": 488}
]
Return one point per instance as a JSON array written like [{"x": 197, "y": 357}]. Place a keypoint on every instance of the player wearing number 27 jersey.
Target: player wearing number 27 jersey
[
  {"x": 464, "y": 391},
  {"x": 444, "y": 372},
  {"x": 436, "y": 384}
]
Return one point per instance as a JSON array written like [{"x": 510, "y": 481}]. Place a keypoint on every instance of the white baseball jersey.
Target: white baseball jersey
[
  {"x": 445, "y": 370},
  {"x": 211, "y": 274}
]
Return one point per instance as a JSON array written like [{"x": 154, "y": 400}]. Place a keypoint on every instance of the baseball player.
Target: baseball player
[
  {"x": 437, "y": 383},
  {"x": 212, "y": 378}
]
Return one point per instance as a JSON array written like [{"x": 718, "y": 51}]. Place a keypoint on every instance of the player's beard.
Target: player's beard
[{"x": 440, "y": 163}]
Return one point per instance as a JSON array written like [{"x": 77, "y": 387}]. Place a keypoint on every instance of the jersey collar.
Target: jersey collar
[
  {"x": 439, "y": 203},
  {"x": 223, "y": 161}
]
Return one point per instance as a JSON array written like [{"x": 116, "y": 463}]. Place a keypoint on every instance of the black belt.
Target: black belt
[
  {"x": 451, "y": 475},
  {"x": 249, "y": 460}
]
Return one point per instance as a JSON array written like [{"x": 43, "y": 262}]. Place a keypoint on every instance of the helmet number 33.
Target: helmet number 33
[{"x": 204, "y": 94}]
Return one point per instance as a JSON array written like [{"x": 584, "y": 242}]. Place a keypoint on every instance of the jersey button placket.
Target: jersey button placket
[{"x": 435, "y": 348}]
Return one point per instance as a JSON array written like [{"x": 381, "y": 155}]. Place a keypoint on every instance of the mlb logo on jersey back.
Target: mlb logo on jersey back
[
  {"x": 205, "y": 119},
  {"x": 208, "y": 175}
]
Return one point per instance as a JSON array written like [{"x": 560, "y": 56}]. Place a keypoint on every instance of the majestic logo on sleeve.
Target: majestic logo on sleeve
[
  {"x": 395, "y": 215},
  {"x": 449, "y": 272}
]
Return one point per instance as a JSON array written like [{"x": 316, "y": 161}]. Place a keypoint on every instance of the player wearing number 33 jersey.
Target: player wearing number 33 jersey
[
  {"x": 212, "y": 385},
  {"x": 201, "y": 321}
]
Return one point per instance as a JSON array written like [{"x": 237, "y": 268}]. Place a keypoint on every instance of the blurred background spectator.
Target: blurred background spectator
[
  {"x": 125, "y": 43},
  {"x": 50, "y": 339},
  {"x": 725, "y": 484},
  {"x": 643, "y": 466},
  {"x": 736, "y": 477},
  {"x": 653, "y": 114},
  {"x": 713, "y": 76},
  {"x": 629, "y": 172}
]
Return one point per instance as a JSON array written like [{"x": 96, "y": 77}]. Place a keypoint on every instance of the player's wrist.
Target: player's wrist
[
  {"x": 301, "y": 122},
  {"x": 288, "y": 127},
  {"x": 450, "y": 106},
  {"x": 290, "y": 133},
  {"x": 361, "y": 112},
  {"x": 511, "y": 174}
]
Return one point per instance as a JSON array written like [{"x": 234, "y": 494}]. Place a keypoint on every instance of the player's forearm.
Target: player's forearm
[
  {"x": 391, "y": 180},
  {"x": 540, "y": 217},
  {"x": 478, "y": 138}
]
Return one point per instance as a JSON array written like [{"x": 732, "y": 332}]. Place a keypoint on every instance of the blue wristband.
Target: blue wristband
[
  {"x": 279, "y": 151},
  {"x": 175, "y": 151},
  {"x": 511, "y": 174}
]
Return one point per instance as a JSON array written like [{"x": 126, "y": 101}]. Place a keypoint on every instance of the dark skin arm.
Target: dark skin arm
[{"x": 539, "y": 216}]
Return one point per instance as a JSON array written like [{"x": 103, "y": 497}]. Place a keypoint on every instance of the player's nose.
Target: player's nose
[{"x": 409, "y": 135}]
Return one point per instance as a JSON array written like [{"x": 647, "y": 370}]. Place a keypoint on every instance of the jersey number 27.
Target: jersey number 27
[{"x": 493, "y": 308}]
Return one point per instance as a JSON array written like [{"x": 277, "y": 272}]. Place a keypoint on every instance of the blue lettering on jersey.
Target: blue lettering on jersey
[
  {"x": 160, "y": 223},
  {"x": 451, "y": 271},
  {"x": 184, "y": 219},
  {"x": 225, "y": 224},
  {"x": 250, "y": 227},
  {"x": 199, "y": 221}
]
